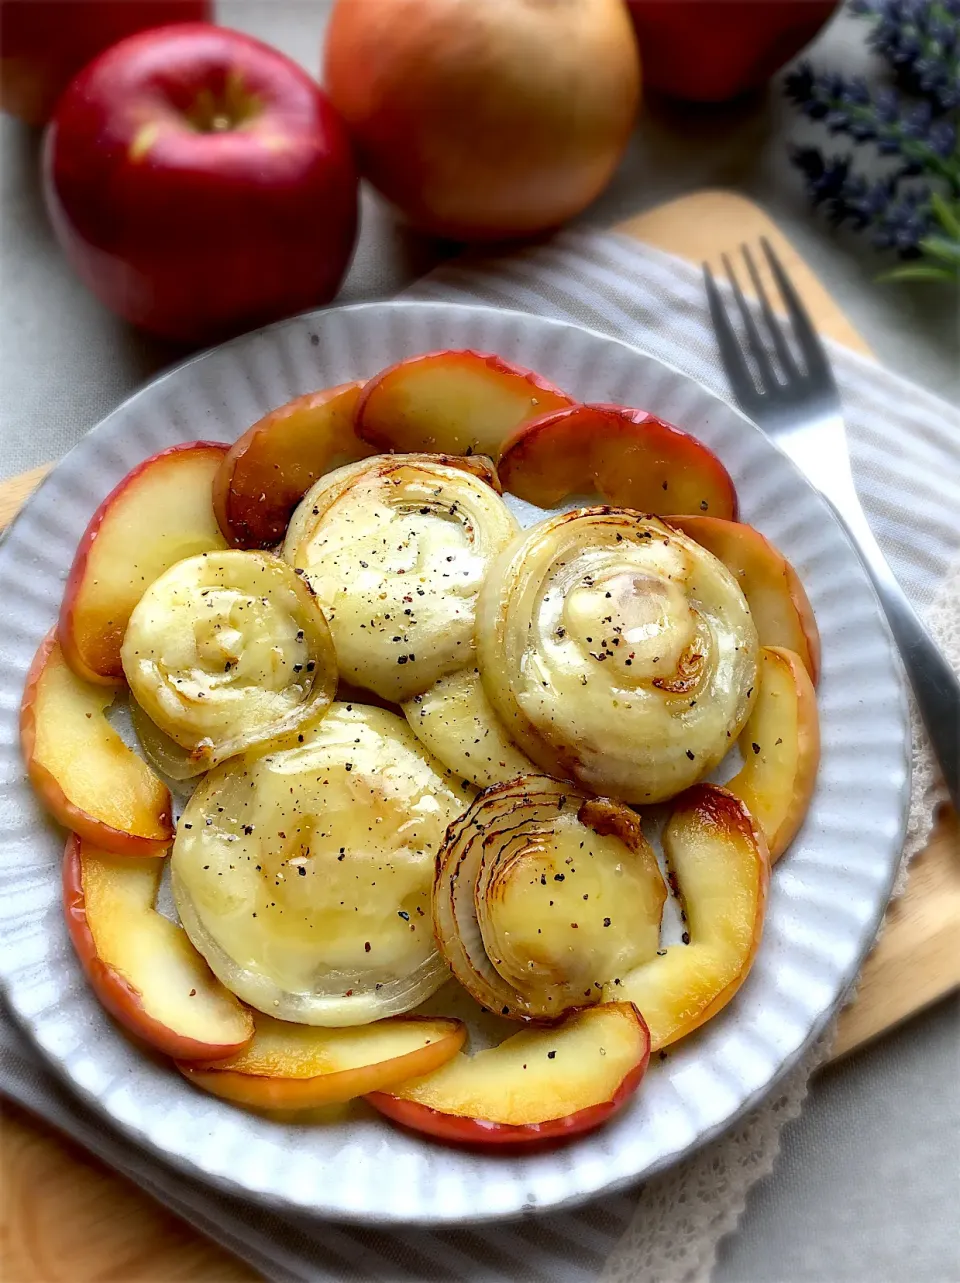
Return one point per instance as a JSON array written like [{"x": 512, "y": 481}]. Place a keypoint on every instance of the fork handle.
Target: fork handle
[{"x": 936, "y": 686}]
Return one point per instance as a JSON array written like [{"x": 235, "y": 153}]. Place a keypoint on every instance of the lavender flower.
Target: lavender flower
[
  {"x": 914, "y": 209},
  {"x": 921, "y": 41},
  {"x": 897, "y": 128}
]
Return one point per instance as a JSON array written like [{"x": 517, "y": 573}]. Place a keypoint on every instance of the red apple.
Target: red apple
[
  {"x": 160, "y": 513},
  {"x": 80, "y": 768},
  {"x": 268, "y": 471},
  {"x": 713, "y": 50},
  {"x": 489, "y": 119},
  {"x": 290, "y": 1066},
  {"x": 44, "y": 43},
  {"x": 200, "y": 183},
  {"x": 630, "y": 458},
  {"x": 452, "y": 402},
  {"x": 141, "y": 965},
  {"x": 541, "y": 1084}
]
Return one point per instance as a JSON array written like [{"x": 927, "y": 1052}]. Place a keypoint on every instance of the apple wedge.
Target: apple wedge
[
  {"x": 719, "y": 858},
  {"x": 160, "y": 513},
  {"x": 140, "y": 965},
  {"x": 452, "y": 403},
  {"x": 301, "y": 1066},
  {"x": 780, "y": 745},
  {"x": 774, "y": 593},
  {"x": 630, "y": 458},
  {"x": 268, "y": 471},
  {"x": 541, "y": 1084},
  {"x": 80, "y": 768}
]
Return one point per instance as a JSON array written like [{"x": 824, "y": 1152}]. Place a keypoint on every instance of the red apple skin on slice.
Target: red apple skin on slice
[
  {"x": 271, "y": 467},
  {"x": 289, "y": 1067},
  {"x": 780, "y": 746},
  {"x": 161, "y": 512},
  {"x": 80, "y": 768},
  {"x": 456, "y": 402},
  {"x": 629, "y": 457},
  {"x": 774, "y": 592},
  {"x": 141, "y": 966},
  {"x": 564, "y": 1080}
]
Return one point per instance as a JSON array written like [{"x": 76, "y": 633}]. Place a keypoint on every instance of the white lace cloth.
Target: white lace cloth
[{"x": 906, "y": 453}]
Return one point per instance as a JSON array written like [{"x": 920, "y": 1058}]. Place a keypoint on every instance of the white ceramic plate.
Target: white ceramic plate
[{"x": 827, "y": 894}]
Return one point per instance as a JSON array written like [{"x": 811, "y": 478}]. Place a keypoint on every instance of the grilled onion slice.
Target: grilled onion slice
[
  {"x": 456, "y": 723},
  {"x": 304, "y": 877},
  {"x": 161, "y": 752},
  {"x": 542, "y": 895},
  {"x": 227, "y": 651},
  {"x": 617, "y": 652},
  {"x": 396, "y": 548}
]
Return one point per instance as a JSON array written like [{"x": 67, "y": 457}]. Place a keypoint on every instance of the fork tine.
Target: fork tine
[
  {"x": 814, "y": 357},
  {"x": 784, "y": 355},
  {"x": 734, "y": 362},
  {"x": 768, "y": 380}
]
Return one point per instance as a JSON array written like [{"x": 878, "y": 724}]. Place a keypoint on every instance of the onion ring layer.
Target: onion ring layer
[
  {"x": 304, "y": 877},
  {"x": 396, "y": 548},
  {"x": 617, "y": 652},
  {"x": 542, "y": 895},
  {"x": 228, "y": 651}
]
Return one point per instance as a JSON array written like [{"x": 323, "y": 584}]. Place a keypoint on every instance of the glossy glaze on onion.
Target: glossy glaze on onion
[
  {"x": 396, "y": 548},
  {"x": 617, "y": 652},
  {"x": 228, "y": 651},
  {"x": 304, "y": 877},
  {"x": 542, "y": 894}
]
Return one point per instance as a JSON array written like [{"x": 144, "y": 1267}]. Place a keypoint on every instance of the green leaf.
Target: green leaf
[
  {"x": 947, "y": 215},
  {"x": 947, "y": 251},
  {"x": 917, "y": 272}
]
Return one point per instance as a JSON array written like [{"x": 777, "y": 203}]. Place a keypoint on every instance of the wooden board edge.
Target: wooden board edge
[{"x": 704, "y": 225}]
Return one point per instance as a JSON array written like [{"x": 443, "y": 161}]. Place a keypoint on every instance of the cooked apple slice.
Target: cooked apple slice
[
  {"x": 141, "y": 965},
  {"x": 719, "y": 858},
  {"x": 452, "y": 403},
  {"x": 777, "y": 600},
  {"x": 160, "y": 512},
  {"x": 455, "y": 721},
  {"x": 300, "y": 1067},
  {"x": 268, "y": 471},
  {"x": 79, "y": 766},
  {"x": 780, "y": 745},
  {"x": 538, "y": 1085},
  {"x": 629, "y": 457}
]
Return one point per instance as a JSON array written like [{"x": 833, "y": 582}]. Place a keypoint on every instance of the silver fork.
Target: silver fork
[{"x": 800, "y": 410}]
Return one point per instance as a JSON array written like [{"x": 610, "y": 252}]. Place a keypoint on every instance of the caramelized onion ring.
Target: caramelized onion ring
[
  {"x": 617, "y": 652},
  {"x": 228, "y": 651},
  {"x": 542, "y": 895},
  {"x": 396, "y": 548},
  {"x": 304, "y": 877}
]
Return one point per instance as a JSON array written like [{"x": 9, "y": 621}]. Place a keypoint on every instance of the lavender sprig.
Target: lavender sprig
[
  {"x": 910, "y": 131},
  {"x": 914, "y": 209},
  {"x": 895, "y": 220},
  {"x": 921, "y": 41}
]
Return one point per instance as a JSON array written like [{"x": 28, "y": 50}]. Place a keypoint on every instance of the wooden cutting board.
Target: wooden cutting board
[{"x": 66, "y": 1218}]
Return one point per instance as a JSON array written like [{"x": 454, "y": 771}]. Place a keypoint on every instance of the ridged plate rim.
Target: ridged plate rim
[{"x": 827, "y": 895}]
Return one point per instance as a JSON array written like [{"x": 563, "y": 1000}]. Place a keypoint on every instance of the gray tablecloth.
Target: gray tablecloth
[{"x": 866, "y": 1188}]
